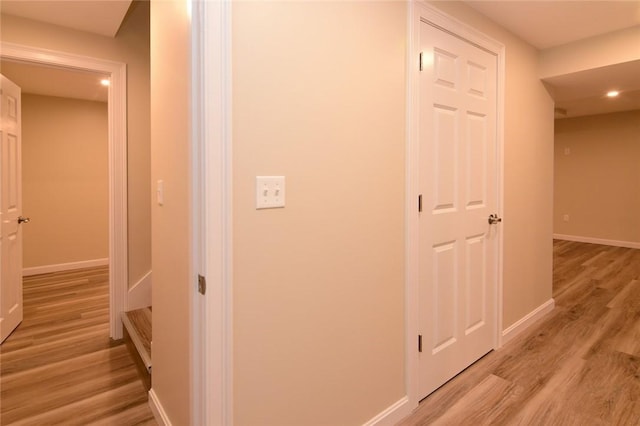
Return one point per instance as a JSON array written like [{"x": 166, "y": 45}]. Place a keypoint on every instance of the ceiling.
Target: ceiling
[
  {"x": 547, "y": 24},
  {"x": 96, "y": 16},
  {"x": 60, "y": 82},
  {"x": 102, "y": 17},
  {"x": 584, "y": 93},
  {"x": 543, "y": 24}
]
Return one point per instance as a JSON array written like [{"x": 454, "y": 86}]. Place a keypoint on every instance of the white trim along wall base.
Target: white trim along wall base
[
  {"x": 591, "y": 240},
  {"x": 45, "y": 269},
  {"x": 158, "y": 410},
  {"x": 527, "y": 321},
  {"x": 139, "y": 295},
  {"x": 392, "y": 415}
]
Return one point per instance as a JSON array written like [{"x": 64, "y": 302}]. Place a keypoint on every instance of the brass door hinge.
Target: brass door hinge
[{"x": 202, "y": 284}]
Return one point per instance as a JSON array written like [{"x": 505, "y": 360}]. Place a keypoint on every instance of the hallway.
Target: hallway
[
  {"x": 579, "y": 365},
  {"x": 60, "y": 365}
]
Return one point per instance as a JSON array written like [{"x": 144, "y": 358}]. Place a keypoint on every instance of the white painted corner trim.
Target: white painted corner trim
[
  {"x": 391, "y": 415},
  {"x": 117, "y": 111},
  {"x": 527, "y": 321},
  {"x": 211, "y": 161},
  {"x": 602, "y": 241},
  {"x": 420, "y": 11},
  {"x": 158, "y": 410},
  {"x": 45, "y": 269},
  {"x": 139, "y": 294}
]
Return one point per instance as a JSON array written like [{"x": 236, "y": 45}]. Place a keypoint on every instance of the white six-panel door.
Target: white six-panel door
[
  {"x": 458, "y": 182},
  {"x": 10, "y": 209}
]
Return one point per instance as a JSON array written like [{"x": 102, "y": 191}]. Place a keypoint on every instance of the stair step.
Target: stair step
[{"x": 137, "y": 327}]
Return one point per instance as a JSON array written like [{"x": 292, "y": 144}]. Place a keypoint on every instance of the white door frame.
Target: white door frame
[
  {"x": 212, "y": 332},
  {"x": 117, "y": 110},
  {"x": 417, "y": 12}
]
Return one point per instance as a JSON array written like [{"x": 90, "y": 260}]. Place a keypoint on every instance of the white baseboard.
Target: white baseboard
[
  {"x": 579, "y": 239},
  {"x": 401, "y": 409},
  {"x": 140, "y": 293},
  {"x": 45, "y": 269},
  {"x": 392, "y": 415},
  {"x": 527, "y": 321},
  {"x": 157, "y": 409}
]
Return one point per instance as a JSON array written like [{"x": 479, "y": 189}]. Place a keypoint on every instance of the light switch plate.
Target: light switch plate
[{"x": 269, "y": 192}]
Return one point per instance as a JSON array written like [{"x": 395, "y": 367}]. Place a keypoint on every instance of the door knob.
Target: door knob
[
  {"x": 23, "y": 220},
  {"x": 493, "y": 219}
]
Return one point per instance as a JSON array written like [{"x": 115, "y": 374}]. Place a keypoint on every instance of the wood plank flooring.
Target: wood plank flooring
[
  {"x": 579, "y": 366},
  {"x": 60, "y": 365}
]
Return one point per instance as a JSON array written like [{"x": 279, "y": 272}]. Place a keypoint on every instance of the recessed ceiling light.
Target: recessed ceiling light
[
  {"x": 613, "y": 93},
  {"x": 104, "y": 82}
]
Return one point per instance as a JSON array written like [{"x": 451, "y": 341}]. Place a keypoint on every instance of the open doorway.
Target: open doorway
[
  {"x": 62, "y": 355},
  {"x": 65, "y": 167},
  {"x": 58, "y": 164},
  {"x": 117, "y": 160},
  {"x": 596, "y": 179},
  {"x": 597, "y": 114}
]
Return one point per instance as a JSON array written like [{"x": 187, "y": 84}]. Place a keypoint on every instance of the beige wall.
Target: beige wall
[
  {"x": 65, "y": 182},
  {"x": 597, "y": 183},
  {"x": 594, "y": 52},
  {"x": 319, "y": 97},
  {"x": 528, "y": 172},
  {"x": 131, "y": 46},
  {"x": 171, "y": 223}
]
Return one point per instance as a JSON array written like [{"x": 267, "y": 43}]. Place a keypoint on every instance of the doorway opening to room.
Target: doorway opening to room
[
  {"x": 57, "y": 176},
  {"x": 68, "y": 176},
  {"x": 74, "y": 68},
  {"x": 65, "y": 168}
]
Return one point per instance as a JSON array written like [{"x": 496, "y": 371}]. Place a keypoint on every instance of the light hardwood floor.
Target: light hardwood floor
[
  {"x": 579, "y": 366},
  {"x": 60, "y": 366}
]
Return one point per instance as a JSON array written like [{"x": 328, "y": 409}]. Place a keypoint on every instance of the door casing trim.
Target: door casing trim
[
  {"x": 418, "y": 12},
  {"x": 117, "y": 112},
  {"x": 212, "y": 244}
]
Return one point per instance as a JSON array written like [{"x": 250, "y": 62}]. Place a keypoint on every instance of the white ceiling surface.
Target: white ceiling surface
[
  {"x": 102, "y": 17},
  {"x": 584, "y": 93},
  {"x": 95, "y": 16},
  {"x": 60, "y": 82}
]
